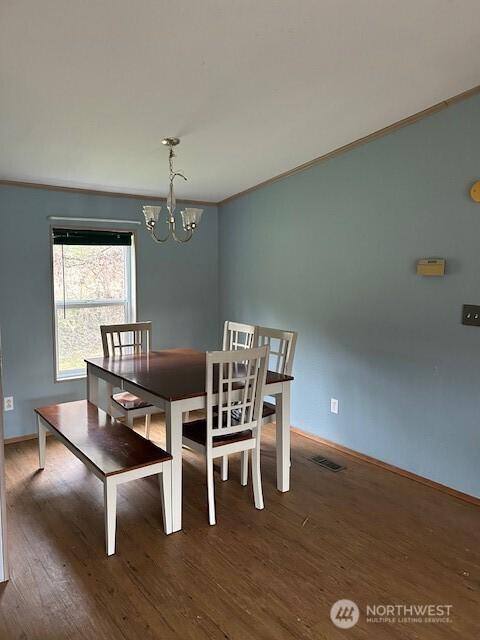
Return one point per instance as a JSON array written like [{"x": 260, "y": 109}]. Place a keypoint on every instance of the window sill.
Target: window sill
[{"x": 71, "y": 378}]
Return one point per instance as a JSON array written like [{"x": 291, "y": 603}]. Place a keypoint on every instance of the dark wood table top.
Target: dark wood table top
[
  {"x": 173, "y": 374},
  {"x": 108, "y": 444}
]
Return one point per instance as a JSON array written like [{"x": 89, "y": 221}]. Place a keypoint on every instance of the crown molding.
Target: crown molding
[
  {"x": 405, "y": 122},
  {"x": 98, "y": 192}
]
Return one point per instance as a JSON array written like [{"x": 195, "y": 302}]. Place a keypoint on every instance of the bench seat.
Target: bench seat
[
  {"x": 114, "y": 453},
  {"x": 107, "y": 443}
]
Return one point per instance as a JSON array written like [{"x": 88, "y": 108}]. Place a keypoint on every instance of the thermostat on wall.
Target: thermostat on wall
[
  {"x": 475, "y": 191},
  {"x": 431, "y": 267}
]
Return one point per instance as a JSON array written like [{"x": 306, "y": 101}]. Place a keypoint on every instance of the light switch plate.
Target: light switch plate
[
  {"x": 471, "y": 315},
  {"x": 333, "y": 405}
]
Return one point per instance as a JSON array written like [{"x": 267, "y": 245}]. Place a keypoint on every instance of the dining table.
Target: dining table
[{"x": 174, "y": 381}]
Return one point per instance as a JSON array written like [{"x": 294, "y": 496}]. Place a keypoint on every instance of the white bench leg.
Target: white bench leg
[
  {"x": 244, "y": 469},
  {"x": 165, "y": 480},
  {"x": 110, "y": 494},
  {"x": 224, "y": 468},
  {"x": 42, "y": 443}
]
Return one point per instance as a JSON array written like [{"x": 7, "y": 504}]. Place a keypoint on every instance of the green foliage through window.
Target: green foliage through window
[{"x": 92, "y": 286}]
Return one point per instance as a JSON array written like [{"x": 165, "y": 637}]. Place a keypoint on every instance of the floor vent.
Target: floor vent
[{"x": 328, "y": 464}]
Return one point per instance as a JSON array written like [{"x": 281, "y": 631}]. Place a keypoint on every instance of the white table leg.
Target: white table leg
[
  {"x": 42, "y": 443},
  {"x": 98, "y": 391},
  {"x": 282, "y": 401},
  {"x": 173, "y": 424},
  {"x": 92, "y": 387}
]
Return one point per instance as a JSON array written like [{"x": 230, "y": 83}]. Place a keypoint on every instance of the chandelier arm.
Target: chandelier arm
[
  {"x": 160, "y": 240},
  {"x": 182, "y": 240},
  {"x": 177, "y": 173}
]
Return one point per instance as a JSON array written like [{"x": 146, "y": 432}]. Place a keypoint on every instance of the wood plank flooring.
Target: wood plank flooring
[{"x": 363, "y": 534}]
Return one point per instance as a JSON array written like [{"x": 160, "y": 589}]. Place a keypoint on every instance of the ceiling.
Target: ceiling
[{"x": 252, "y": 87}]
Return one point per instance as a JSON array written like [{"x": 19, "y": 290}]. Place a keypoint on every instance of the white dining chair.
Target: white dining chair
[
  {"x": 281, "y": 345},
  {"x": 233, "y": 423},
  {"x": 133, "y": 338},
  {"x": 282, "y": 348},
  {"x": 238, "y": 335},
  {"x": 282, "y": 351}
]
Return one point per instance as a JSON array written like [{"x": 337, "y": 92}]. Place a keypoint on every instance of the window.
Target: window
[{"x": 93, "y": 284}]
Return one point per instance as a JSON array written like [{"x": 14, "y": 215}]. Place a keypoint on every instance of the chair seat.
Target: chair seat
[
  {"x": 128, "y": 401},
  {"x": 197, "y": 431},
  {"x": 268, "y": 410}
]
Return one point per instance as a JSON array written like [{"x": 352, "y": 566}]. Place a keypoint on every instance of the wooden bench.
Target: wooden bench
[{"x": 114, "y": 453}]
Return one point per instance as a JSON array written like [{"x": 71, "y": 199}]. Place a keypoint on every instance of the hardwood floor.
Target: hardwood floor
[{"x": 363, "y": 534}]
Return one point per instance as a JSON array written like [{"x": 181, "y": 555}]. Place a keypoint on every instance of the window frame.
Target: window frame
[{"x": 131, "y": 303}]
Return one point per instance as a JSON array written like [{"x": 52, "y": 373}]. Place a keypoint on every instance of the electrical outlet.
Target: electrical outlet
[
  {"x": 8, "y": 403},
  {"x": 333, "y": 405}
]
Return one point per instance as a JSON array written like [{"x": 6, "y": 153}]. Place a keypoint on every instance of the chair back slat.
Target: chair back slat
[
  {"x": 126, "y": 339},
  {"x": 282, "y": 348},
  {"x": 240, "y": 377},
  {"x": 237, "y": 335}
]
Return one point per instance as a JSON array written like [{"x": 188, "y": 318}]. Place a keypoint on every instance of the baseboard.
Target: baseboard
[
  {"x": 29, "y": 436},
  {"x": 390, "y": 467}
]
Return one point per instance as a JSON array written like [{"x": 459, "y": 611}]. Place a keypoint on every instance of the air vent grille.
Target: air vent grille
[{"x": 328, "y": 464}]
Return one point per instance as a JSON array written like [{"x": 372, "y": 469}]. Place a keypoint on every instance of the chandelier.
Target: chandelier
[{"x": 190, "y": 217}]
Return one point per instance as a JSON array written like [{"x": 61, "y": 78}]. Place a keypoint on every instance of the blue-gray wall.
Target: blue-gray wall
[
  {"x": 177, "y": 288},
  {"x": 331, "y": 252}
]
